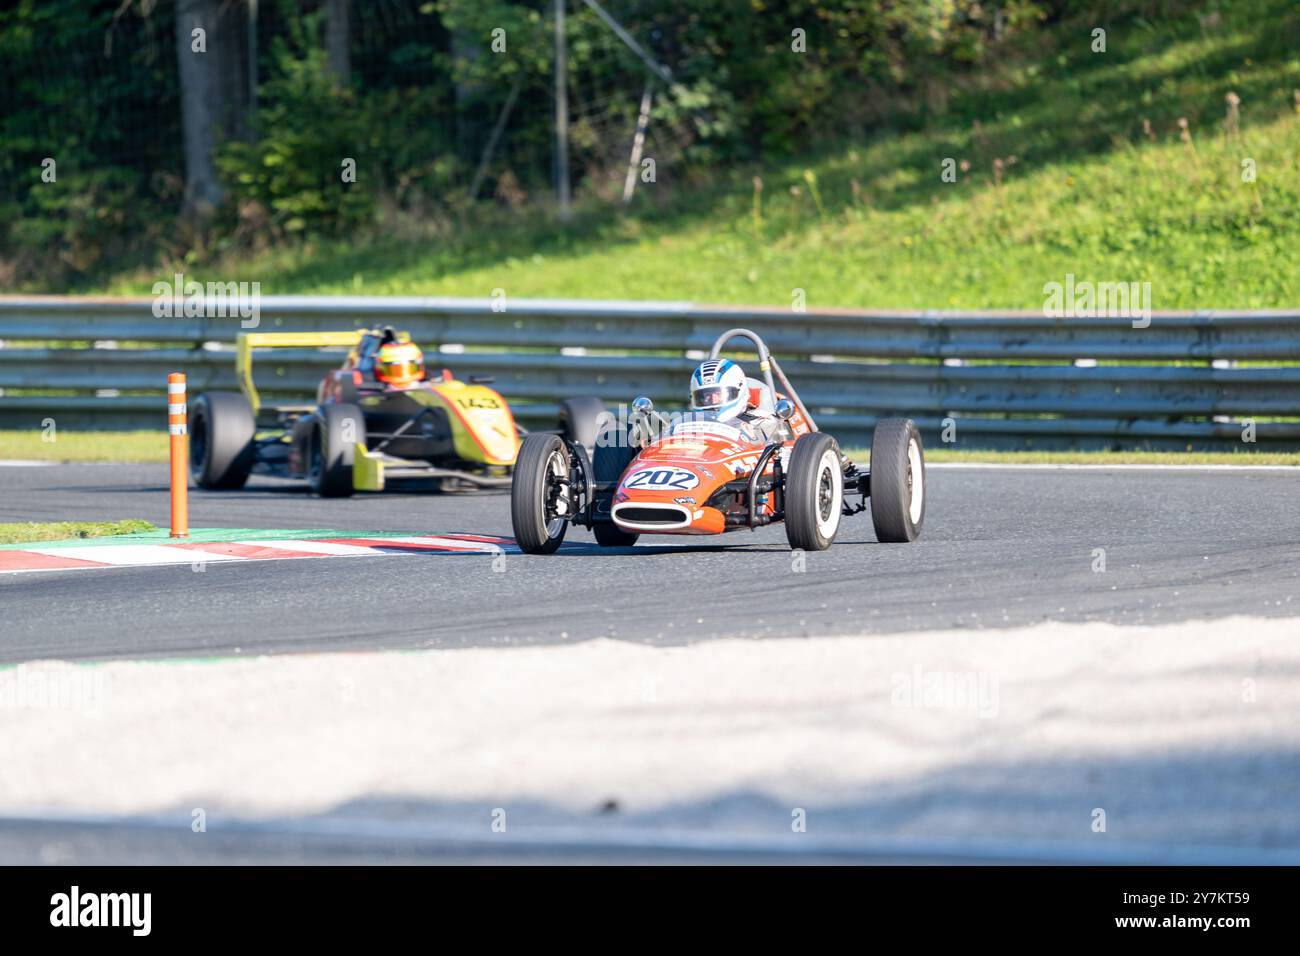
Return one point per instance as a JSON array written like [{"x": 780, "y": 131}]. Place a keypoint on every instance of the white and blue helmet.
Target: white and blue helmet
[{"x": 718, "y": 386}]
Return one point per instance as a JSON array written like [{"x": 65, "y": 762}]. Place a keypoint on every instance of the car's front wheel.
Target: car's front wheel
[
  {"x": 331, "y": 449},
  {"x": 814, "y": 492},
  {"x": 541, "y": 494}
]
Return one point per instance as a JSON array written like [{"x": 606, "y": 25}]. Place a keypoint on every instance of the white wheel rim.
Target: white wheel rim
[
  {"x": 557, "y": 465},
  {"x": 916, "y": 471},
  {"x": 830, "y": 463}
]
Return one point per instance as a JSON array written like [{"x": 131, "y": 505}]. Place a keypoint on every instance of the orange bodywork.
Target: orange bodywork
[{"x": 676, "y": 484}]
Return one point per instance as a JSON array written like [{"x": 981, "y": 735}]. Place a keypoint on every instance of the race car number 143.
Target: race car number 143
[{"x": 676, "y": 478}]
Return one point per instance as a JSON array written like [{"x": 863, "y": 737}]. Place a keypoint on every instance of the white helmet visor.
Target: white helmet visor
[{"x": 713, "y": 396}]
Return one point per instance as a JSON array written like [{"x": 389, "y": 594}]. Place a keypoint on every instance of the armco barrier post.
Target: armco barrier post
[{"x": 176, "y": 425}]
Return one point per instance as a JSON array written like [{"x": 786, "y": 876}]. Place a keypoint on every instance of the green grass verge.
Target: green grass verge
[
  {"x": 1066, "y": 161},
  {"x": 30, "y": 445},
  {"x": 25, "y": 532}
]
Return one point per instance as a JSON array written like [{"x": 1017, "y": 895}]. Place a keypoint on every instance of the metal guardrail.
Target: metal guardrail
[{"x": 1000, "y": 379}]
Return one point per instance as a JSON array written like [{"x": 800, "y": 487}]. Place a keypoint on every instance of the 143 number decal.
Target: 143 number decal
[{"x": 478, "y": 403}]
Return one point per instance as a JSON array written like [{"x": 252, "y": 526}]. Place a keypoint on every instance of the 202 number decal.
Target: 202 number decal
[{"x": 677, "y": 478}]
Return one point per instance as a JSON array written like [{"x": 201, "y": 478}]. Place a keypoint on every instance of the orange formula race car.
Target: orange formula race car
[{"x": 745, "y": 455}]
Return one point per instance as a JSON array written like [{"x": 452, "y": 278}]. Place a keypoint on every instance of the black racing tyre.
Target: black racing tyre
[
  {"x": 331, "y": 449},
  {"x": 345, "y": 385},
  {"x": 582, "y": 419},
  {"x": 537, "y": 492},
  {"x": 814, "y": 492},
  {"x": 609, "y": 462},
  {"x": 222, "y": 451},
  {"x": 897, "y": 480}
]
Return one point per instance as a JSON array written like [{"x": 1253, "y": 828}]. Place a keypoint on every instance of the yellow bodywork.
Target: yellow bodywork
[
  {"x": 367, "y": 470},
  {"x": 482, "y": 426}
]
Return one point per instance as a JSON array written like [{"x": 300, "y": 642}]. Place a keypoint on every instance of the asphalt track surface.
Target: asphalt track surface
[{"x": 1002, "y": 547}]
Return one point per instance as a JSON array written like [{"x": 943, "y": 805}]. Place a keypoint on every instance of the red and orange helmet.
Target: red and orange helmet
[{"x": 399, "y": 364}]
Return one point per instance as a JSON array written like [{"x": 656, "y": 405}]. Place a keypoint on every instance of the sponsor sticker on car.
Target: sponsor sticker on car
[{"x": 720, "y": 429}]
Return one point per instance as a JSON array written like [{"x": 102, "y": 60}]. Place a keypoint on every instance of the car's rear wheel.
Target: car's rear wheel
[
  {"x": 222, "y": 451},
  {"x": 332, "y": 449},
  {"x": 614, "y": 452},
  {"x": 897, "y": 480},
  {"x": 541, "y": 496},
  {"x": 814, "y": 492},
  {"x": 582, "y": 419}
]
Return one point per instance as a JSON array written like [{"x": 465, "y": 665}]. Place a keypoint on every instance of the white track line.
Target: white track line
[
  {"x": 119, "y": 555},
  {"x": 145, "y": 555},
  {"x": 199, "y": 557}
]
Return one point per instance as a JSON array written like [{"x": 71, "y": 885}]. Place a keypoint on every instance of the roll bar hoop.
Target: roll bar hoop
[{"x": 767, "y": 365}]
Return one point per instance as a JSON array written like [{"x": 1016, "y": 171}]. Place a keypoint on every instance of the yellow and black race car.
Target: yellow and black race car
[{"x": 380, "y": 416}]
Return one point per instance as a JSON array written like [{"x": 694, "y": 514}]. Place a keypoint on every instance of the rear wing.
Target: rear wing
[{"x": 247, "y": 341}]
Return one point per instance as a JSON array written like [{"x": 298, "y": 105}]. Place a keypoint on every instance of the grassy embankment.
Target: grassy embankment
[{"x": 1057, "y": 173}]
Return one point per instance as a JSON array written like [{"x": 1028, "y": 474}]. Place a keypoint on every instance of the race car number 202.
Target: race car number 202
[{"x": 676, "y": 478}]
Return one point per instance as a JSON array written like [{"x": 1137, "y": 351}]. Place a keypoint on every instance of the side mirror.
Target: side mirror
[
  {"x": 784, "y": 409},
  {"x": 642, "y": 405}
]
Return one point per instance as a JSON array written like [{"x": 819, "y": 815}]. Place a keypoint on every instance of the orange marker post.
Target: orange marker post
[{"x": 176, "y": 425}]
